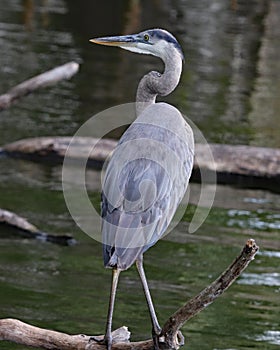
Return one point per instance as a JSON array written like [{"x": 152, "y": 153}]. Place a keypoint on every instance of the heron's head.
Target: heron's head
[{"x": 157, "y": 42}]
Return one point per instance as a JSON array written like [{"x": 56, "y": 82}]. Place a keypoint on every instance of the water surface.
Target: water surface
[{"x": 228, "y": 46}]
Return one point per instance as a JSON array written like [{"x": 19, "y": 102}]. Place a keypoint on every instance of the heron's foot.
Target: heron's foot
[
  {"x": 156, "y": 334},
  {"x": 98, "y": 339},
  {"x": 106, "y": 340},
  {"x": 160, "y": 341},
  {"x": 156, "y": 342}
]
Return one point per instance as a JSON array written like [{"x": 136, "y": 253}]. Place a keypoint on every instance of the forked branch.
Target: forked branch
[{"x": 22, "y": 333}]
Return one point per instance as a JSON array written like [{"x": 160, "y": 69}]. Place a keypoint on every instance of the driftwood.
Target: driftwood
[
  {"x": 22, "y": 333},
  {"x": 249, "y": 166},
  {"x": 244, "y": 165},
  {"x": 53, "y": 149},
  {"x": 50, "y": 77},
  {"x": 28, "y": 230}
]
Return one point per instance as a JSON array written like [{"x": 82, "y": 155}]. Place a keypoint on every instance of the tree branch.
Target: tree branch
[
  {"x": 50, "y": 77},
  {"x": 210, "y": 293},
  {"x": 22, "y": 333},
  {"x": 28, "y": 230}
]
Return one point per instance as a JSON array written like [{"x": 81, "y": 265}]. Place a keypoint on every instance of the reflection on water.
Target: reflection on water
[
  {"x": 258, "y": 220},
  {"x": 265, "y": 99},
  {"x": 272, "y": 337},
  {"x": 222, "y": 45},
  {"x": 263, "y": 279},
  {"x": 271, "y": 254},
  {"x": 229, "y": 88}
]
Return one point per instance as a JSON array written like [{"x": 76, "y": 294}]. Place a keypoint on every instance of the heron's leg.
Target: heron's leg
[
  {"x": 107, "y": 340},
  {"x": 108, "y": 334},
  {"x": 156, "y": 326}
]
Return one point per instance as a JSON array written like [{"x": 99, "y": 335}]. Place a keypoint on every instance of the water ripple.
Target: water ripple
[
  {"x": 270, "y": 254},
  {"x": 260, "y": 279},
  {"x": 272, "y": 337}
]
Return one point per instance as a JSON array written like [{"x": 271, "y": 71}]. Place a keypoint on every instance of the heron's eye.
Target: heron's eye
[{"x": 146, "y": 37}]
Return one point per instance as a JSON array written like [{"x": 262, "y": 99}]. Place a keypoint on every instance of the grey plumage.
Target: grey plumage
[{"x": 131, "y": 223}]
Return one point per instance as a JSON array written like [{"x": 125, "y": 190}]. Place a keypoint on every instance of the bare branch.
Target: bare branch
[
  {"x": 50, "y": 77},
  {"x": 53, "y": 149},
  {"x": 23, "y": 226},
  {"x": 25, "y": 334},
  {"x": 210, "y": 293}
]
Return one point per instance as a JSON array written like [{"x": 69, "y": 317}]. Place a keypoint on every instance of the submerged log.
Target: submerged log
[
  {"x": 23, "y": 226},
  {"x": 257, "y": 167},
  {"x": 53, "y": 149},
  {"x": 171, "y": 338},
  {"x": 48, "y": 78},
  {"x": 247, "y": 166}
]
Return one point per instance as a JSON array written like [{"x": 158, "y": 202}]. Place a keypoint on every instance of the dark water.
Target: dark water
[{"x": 229, "y": 88}]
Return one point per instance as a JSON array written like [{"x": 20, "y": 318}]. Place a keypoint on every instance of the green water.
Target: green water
[
  {"x": 224, "y": 81},
  {"x": 66, "y": 288}
]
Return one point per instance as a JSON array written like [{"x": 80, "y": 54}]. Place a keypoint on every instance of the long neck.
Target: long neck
[{"x": 155, "y": 83}]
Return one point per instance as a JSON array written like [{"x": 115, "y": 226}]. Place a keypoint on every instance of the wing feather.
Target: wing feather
[{"x": 142, "y": 189}]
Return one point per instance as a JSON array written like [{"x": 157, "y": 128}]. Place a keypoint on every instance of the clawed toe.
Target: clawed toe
[
  {"x": 98, "y": 339},
  {"x": 156, "y": 336},
  {"x": 102, "y": 341}
]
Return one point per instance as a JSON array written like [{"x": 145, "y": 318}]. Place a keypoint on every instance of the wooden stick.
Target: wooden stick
[
  {"x": 210, "y": 293},
  {"x": 53, "y": 149},
  {"x": 22, "y": 333},
  {"x": 50, "y": 77},
  {"x": 28, "y": 230}
]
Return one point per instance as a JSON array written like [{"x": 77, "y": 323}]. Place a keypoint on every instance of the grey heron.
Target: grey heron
[{"x": 139, "y": 201}]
